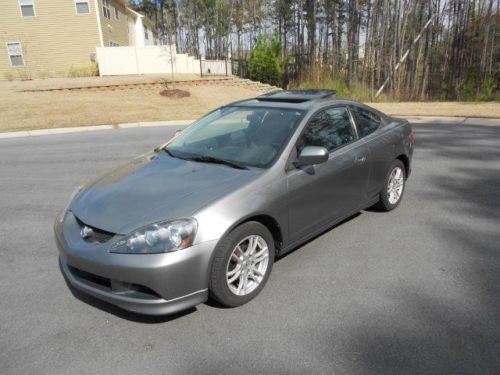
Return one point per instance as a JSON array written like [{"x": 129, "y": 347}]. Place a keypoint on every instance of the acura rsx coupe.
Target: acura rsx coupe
[{"x": 205, "y": 215}]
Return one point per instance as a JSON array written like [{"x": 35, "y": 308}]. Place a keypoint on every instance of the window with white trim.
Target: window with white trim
[
  {"x": 146, "y": 36},
  {"x": 15, "y": 52},
  {"x": 113, "y": 44},
  {"x": 105, "y": 9},
  {"x": 82, "y": 6},
  {"x": 27, "y": 8},
  {"x": 117, "y": 12}
]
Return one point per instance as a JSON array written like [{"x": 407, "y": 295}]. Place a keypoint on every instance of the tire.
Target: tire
[
  {"x": 228, "y": 260},
  {"x": 386, "y": 201}
]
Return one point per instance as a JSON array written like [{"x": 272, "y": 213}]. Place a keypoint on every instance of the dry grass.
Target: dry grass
[
  {"x": 55, "y": 109},
  {"x": 459, "y": 109}
]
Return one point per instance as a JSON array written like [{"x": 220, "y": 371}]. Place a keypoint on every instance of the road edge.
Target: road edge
[{"x": 78, "y": 129}]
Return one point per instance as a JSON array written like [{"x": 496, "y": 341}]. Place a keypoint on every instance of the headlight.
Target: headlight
[
  {"x": 162, "y": 237},
  {"x": 71, "y": 197}
]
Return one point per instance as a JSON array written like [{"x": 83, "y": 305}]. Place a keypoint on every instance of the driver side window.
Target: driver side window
[{"x": 331, "y": 129}]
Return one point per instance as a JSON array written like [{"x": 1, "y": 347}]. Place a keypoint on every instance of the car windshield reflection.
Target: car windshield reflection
[{"x": 244, "y": 136}]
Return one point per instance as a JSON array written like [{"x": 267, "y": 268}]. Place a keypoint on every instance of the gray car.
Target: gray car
[{"x": 206, "y": 214}]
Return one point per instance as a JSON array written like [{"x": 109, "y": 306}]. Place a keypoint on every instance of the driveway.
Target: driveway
[{"x": 413, "y": 291}]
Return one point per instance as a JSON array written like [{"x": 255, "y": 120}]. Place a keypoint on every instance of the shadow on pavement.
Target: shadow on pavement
[
  {"x": 124, "y": 314},
  {"x": 452, "y": 324},
  {"x": 352, "y": 217}
]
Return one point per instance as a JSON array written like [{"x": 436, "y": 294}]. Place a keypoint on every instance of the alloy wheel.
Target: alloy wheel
[
  {"x": 247, "y": 265},
  {"x": 395, "y": 185}
]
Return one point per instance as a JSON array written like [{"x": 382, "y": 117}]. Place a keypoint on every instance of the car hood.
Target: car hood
[{"x": 154, "y": 187}]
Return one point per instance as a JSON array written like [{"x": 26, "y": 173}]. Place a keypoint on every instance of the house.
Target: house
[
  {"x": 141, "y": 30},
  {"x": 41, "y": 38}
]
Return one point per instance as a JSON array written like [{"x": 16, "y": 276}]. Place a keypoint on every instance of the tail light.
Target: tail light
[{"x": 411, "y": 137}]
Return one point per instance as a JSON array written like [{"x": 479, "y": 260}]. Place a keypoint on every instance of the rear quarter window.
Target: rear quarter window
[{"x": 366, "y": 121}]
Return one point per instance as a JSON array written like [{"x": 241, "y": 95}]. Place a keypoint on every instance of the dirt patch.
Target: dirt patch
[{"x": 175, "y": 93}]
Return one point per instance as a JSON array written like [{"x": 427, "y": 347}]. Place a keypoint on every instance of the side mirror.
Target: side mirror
[
  {"x": 311, "y": 155},
  {"x": 177, "y": 132}
]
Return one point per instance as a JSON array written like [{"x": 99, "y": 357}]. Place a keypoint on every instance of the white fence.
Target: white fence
[
  {"x": 215, "y": 67},
  {"x": 154, "y": 60}
]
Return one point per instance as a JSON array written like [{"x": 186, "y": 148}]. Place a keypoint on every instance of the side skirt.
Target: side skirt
[{"x": 324, "y": 228}]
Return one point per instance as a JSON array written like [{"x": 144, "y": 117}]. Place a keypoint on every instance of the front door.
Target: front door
[{"x": 322, "y": 194}]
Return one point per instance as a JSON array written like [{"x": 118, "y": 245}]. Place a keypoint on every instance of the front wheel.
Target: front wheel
[
  {"x": 242, "y": 264},
  {"x": 394, "y": 186}
]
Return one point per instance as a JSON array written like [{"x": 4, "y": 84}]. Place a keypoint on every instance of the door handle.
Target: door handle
[{"x": 360, "y": 159}]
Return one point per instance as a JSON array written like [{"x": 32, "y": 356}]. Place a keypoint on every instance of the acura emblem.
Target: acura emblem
[{"x": 86, "y": 232}]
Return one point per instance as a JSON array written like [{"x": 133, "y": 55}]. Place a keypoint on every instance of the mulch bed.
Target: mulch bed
[{"x": 175, "y": 93}]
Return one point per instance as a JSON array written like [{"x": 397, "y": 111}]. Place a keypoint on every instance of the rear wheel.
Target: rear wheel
[
  {"x": 242, "y": 264},
  {"x": 393, "y": 190}
]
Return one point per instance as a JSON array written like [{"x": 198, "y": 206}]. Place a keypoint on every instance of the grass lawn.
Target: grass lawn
[{"x": 56, "y": 109}]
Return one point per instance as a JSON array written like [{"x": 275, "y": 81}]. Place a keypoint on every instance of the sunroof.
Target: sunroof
[{"x": 296, "y": 96}]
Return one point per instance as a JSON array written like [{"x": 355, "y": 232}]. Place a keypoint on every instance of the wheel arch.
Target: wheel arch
[
  {"x": 406, "y": 162},
  {"x": 265, "y": 219},
  {"x": 269, "y": 222}
]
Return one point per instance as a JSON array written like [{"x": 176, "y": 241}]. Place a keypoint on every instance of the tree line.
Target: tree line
[{"x": 421, "y": 49}]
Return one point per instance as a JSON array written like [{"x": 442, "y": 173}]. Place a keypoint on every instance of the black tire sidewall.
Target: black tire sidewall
[{"x": 218, "y": 288}]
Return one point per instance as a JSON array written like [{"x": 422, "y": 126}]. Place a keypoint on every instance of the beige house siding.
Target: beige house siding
[
  {"x": 53, "y": 41},
  {"x": 114, "y": 30}
]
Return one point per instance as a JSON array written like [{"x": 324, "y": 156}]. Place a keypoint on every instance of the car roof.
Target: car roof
[
  {"x": 297, "y": 96},
  {"x": 294, "y": 99},
  {"x": 304, "y": 100}
]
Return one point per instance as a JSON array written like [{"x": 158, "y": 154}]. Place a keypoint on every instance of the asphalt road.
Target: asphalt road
[{"x": 413, "y": 291}]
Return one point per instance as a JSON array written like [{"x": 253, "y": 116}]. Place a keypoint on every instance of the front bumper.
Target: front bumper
[{"x": 152, "y": 284}]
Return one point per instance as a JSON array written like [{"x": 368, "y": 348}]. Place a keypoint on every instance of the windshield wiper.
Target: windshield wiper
[
  {"x": 158, "y": 149},
  {"x": 204, "y": 159},
  {"x": 211, "y": 159}
]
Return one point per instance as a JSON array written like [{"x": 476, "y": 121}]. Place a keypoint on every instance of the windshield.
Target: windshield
[{"x": 247, "y": 136}]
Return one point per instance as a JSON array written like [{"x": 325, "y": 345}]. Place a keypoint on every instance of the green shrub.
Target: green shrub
[
  {"x": 472, "y": 90},
  {"x": 265, "y": 63},
  {"x": 487, "y": 94}
]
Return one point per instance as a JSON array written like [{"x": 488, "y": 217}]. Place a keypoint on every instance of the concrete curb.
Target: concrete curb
[
  {"x": 31, "y": 133},
  {"x": 129, "y": 125}
]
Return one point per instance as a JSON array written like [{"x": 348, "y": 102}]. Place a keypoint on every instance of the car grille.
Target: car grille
[
  {"x": 96, "y": 235},
  {"x": 90, "y": 277},
  {"x": 113, "y": 286}
]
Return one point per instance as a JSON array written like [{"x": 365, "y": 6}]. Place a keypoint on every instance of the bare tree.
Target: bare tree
[{"x": 358, "y": 41}]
